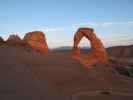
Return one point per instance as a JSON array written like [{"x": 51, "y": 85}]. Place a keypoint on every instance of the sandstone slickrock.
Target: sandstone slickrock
[
  {"x": 97, "y": 53},
  {"x": 37, "y": 41}
]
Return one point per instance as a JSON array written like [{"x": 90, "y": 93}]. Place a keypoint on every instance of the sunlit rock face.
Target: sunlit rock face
[
  {"x": 15, "y": 40},
  {"x": 97, "y": 53},
  {"x": 37, "y": 41},
  {"x": 1, "y": 40},
  {"x": 76, "y": 53}
]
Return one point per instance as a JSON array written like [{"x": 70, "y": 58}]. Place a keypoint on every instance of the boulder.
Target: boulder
[
  {"x": 37, "y": 41},
  {"x": 97, "y": 52}
]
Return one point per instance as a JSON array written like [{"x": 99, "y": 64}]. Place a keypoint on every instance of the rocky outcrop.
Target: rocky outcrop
[
  {"x": 121, "y": 51},
  {"x": 15, "y": 40},
  {"x": 37, "y": 41},
  {"x": 1, "y": 40},
  {"x": 97, "y": 52}
]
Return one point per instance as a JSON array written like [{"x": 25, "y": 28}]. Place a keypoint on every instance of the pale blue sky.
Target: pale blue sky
[{"x": 59, "y": 19}]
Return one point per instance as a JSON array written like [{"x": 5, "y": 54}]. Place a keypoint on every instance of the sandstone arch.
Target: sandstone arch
[{"x": 97, "y": 52}]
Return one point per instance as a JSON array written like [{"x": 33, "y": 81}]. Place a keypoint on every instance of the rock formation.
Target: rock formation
[
  {"x": 37, "y": 41},
  {"x": 121, "y": 51},
  {"x": 15, "y": 40},
  {"x": 76, "y": 53},
  {"x": 1, "y": 40},
  {"x": 97, "y": 52}
]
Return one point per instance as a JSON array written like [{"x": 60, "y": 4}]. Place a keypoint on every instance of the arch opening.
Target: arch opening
[{"x": 84, "y": 46}]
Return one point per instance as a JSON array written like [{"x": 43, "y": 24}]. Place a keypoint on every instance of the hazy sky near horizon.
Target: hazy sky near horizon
[{"x": 59, "y": 19}]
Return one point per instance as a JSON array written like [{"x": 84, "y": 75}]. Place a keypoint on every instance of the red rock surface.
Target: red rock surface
[
  {"x": 37, "y": 41},
  {"x": 30, "y": 75},
  {"x": 14, "y": 40},
  {"x": 33, "y": 76},
  {"x": 76, "y": 53},
  {"x": 97, "y": 53}
]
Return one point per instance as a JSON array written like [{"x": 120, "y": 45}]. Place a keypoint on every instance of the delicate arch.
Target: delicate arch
[{"x": 97, "y": 52}]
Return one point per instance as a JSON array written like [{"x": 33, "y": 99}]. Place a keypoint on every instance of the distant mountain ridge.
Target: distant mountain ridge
[
  {"x": 116, "y": 51},
  {"x": 121, "y": 51}
]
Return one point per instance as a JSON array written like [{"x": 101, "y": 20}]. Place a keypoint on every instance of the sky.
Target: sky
[{"x": 59, "y": 19}]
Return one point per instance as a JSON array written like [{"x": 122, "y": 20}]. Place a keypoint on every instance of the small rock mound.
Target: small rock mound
[
  {"x": 37, "y": 41},
  {"x": 15, "y": 40}
]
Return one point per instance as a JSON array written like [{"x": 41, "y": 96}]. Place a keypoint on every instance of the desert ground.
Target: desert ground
[{"x": 28, "y": 75}]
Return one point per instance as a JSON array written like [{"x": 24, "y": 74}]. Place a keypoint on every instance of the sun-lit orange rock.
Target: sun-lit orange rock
[
  {"x": 97, "y": 52},
  {"x": 76, "y": 53},
  {"x": 37, "y": 41}
]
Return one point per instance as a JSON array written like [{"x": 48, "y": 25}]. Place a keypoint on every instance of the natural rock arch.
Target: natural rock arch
[{"x": 97, "y": 52}]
